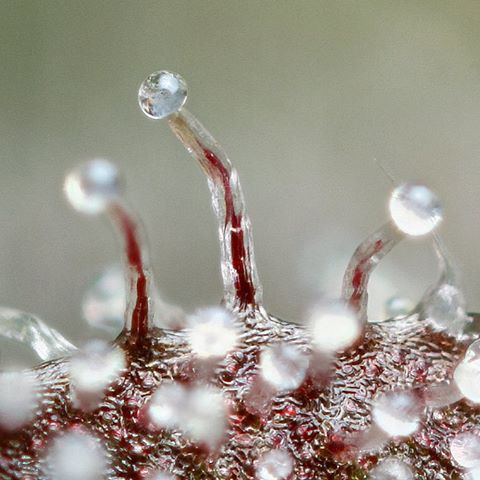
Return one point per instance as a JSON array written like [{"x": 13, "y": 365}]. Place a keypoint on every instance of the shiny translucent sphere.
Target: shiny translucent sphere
[
  {"x": 415, "y": 209},
  {"x": 397, "y": 413},
  {"x": 284, "y": 366},
  {"x": 91, "y": 187},
  {"x": 274, "y": 465},
  {"x": 212, "y": 332},
  {"x": 465, "y": 449},
  {"x": 161, "y": 94},
  {"x": 334, "y": 327},
  {"x": 391, "y": 469},
  {"x": 467, "y": 373}
]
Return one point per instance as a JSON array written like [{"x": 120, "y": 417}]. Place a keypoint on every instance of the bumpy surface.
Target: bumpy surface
[{"x": 314, "y": 423}]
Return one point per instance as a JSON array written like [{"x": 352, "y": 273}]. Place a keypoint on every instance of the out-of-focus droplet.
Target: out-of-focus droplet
[
  {"x": 391, "y": 468},
  {"x": 274, "y": 465},
  {"x": 168, "y": 405},
  {"x": 92, "y": 186},
  {"x": 161, "y": 475},
  {"x": 334, "y": 327},
  {"x": 284, "y": 366},
  {"x": 397, "y": 412},
  {"x": 161, "y": 94},
  {"x": 445, "y": 309},
  {"x": 212, "y": 332},
  {"x": 104, "y": 302},
  {"x": 76, "y": 456},
  {"x": 18, "y": 399},
  {"x": 473, "y": 474},
  {"x": 199, "y": 412},
  {"x": 442, "y": 394},
  {"x": 465, "y": 449},
  {"x": 92, "y": 371},
  {"x": 396, "y": 307},
  {"x": 467, "y": 373},
  {"x": 415, "y": 209}
]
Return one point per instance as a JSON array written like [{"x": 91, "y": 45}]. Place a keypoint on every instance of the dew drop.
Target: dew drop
[
  {"x": 396, "y": 307},
  {"x": 17, "y": 404},
  {"x": 334, "y": 327},
  {"x": 415, "y": 209},
  {"x": 92, "y": 371},
  {"x": 160, "y": 475},
  {"x": 199, "y": 412},
  {"x": 397, "y": 412},
  {"x": 446, "y": 309},
  {"x": 284, "y": 366},
  {"x": 465, "y": 449},
  {"x": 161, "y": 94},
  {"x": 212, "y": 332},
  {"x": 274, "y": 465},
  {"x": 467, "y": 373},
  {"x": 391, "y": 468},
  {"x": 104, "y": 302},
  {"x": 92, "y": 186},
  {"x": 76, "y": 456},
  {"x": 168, "y": 405}
]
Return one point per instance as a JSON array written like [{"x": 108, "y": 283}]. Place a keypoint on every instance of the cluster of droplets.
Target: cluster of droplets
[{"x": 199, "y": 410}]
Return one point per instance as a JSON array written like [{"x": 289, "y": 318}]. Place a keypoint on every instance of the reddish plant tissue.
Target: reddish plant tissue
[{"x": 383, "y": 404}]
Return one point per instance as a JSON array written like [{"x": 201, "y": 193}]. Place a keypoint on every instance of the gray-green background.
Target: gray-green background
[{"x": 303, "y": 95}]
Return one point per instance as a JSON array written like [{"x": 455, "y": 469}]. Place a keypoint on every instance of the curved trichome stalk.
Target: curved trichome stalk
[{"x": 241, "y": 285}]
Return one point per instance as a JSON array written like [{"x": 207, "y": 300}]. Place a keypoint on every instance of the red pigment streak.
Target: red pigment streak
[
  {"x": 360, "y": 273},
  {"x": 243, "y": 283},
  {"x": 134, "y": 255}
]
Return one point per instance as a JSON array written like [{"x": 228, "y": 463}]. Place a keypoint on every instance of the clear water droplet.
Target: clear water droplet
[
  {"x": 391, "y": 468},
  {"x": 397, "y": 412},
  {"x": 212, "y": 332},
  {"x": 465, "y": 449},
  {"x": 17, "y": 404},
  {"x": 92, "y": 186},
  {"x": 415, "y": 209},
  {"x": 274, "y": 465},
  {"x": 161, "y": 475},
  {"x": 92, "y": 371},
  {"x": 76, "y": 456},
  {"x": 199, "y": 412},
  {"x": 445, "y": 308},
  {"x": 396, "y": 307},
  {"x": 334, "y": 327},
  {"x": 161, "y": 94},
  {"x": 104, "y": 302},
  {"x": 284, "y": 366},
  {"x": 467, "y": 373}
]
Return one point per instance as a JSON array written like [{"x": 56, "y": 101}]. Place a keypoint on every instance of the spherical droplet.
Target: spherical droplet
[
  {"x": 284, "y": 366},
  {"x": 467, "y": 373},
  {"x": 161, "y": 94},
  {"x": 92, "y": 371},
  {"x": 92, "y": 186},
  {"x": 104, "y": 302},
  {"x": 274, "y": 465},
  {"x": 396, "y": 307},
  {"x": 391, "y": 468},
  {"x": 212, "y": 332},
  {"x": 18, "y": 399},
  {"x": 397, "y": 412},
  {"x": 445, "y": 309},
  {"x": 76, "y": 456},
  {"x": 334, "y": 327},
  {"x": 199, "y": 412},
  {"x": 415, "y": 209},
  {"x": 465, "y": 449},
  {"x": 160, "y": 475}
]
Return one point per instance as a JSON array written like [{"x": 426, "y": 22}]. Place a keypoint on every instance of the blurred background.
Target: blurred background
[{"x": 304, "y": 96}]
